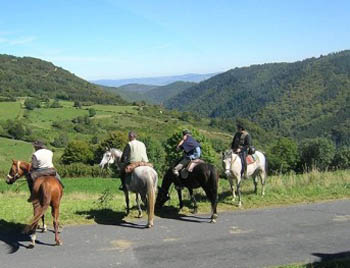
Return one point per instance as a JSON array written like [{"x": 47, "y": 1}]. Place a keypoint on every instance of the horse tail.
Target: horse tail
[
  {"x": 151, "y": 192},
  {"x": 43, "y": 204},
  {"x": 266, "y": 167}
]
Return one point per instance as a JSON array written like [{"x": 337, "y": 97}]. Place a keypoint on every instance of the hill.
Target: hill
[
  {"x": 158, "y": 81},
  {"x": 308, "y": 98},
  {"x": 28, "y": 76},
  {"x": 149, "y": 93}
]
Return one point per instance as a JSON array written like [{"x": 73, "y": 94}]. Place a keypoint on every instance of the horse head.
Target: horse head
[
  {"x": 16, "y": 171},
  {"x": 226, "y": 161},
  {"x": 107, "y": 159}
]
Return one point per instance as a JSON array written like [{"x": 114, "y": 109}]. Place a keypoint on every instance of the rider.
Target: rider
[
  {"x": 191, "y": 151},
  {"x": 41, "y": 165},
  {"x": 134, "y": 151},
  {"x": 240, "y": 145}
]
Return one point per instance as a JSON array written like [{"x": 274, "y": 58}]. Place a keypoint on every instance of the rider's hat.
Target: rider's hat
[
  {"x": 39, "y": 144},
  {"x": 185, "y": 132}
]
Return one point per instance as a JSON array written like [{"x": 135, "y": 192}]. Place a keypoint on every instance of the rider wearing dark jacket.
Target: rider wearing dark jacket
[
  {"x": 240, "y": 145},
  {"x": 191, "y": 149}
]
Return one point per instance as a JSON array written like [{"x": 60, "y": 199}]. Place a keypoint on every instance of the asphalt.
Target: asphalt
[{"x": 247, "y": 238}]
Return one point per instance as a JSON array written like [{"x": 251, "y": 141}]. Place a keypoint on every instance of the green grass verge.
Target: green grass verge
[{"x": 90, "y": 200}]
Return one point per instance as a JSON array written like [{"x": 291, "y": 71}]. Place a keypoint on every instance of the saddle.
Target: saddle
[
  {"x": 250, "y": 159},
  {"x": 189, "y": 168},
  {"x": 130, "y": 168},
  {"x": 42, "y": 172}
]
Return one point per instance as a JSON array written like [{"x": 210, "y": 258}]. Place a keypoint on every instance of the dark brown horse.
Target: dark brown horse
[
  {"x": 203, "y": 175},
  {"x": 47, "y": 191}
]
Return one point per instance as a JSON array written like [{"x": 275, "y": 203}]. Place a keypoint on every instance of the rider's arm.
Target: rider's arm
[
  {"x": 181, "y": 142},
  {"x": 35, "y": 162},
  {"x": 126, "y": 154}
]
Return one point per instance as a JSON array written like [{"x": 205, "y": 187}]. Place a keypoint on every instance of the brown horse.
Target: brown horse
[{"x": 47, "y": 191}]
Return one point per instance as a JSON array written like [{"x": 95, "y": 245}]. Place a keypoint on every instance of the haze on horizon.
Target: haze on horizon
[{"x": 116, "y": 40}]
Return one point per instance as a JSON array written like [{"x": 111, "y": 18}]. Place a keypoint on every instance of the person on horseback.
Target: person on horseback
[
  {"x": 240, "y": 145},
  {"x": 41, "y": 165},
  {"x": 191, "y": 151},
  {"x": 134, "y": 151}
]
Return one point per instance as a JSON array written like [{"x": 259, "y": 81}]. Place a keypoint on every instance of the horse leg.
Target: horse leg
[
  {"x": 262, "y": 179},
  {"x": 138, "y": 205},
  {"x": 55, "y": 214},
  {"x": 31, "y": 229},
  {"x": 179, "y": 194},
  {"x": 239, "y": 180},
  {"x": 255, "y": 180},
  {"x": 44, "y": 228},
  {"x": 126, "y": 193},
  {"x": 195, "y": 207},
  {"x": 230, "y": 179}
]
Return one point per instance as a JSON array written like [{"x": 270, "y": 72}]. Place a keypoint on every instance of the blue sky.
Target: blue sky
[{"x": 125, "y": 39}]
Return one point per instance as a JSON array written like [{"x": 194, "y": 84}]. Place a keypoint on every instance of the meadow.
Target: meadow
[{"x": 94, "y": 200}]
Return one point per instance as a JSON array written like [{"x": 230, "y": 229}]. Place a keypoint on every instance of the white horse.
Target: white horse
[
  {"x": 143, "y": 181},
  {"x": 233, "y": 165}
]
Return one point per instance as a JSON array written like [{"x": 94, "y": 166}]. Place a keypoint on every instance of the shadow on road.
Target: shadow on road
[
  {"x": 11, "y": 235},
  {"x": 338, "y": 260},
  {"x": 171, "y": 212},
  {"x": 107, "y": 216}
]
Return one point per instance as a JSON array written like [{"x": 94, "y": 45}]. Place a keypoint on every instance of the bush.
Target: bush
[
  {"x": 77, "y": 151},
  {"x": 316, "y": 153},
  {"x": 342, "y": 158},
  {"x": 76, "y": 170},
  {"x": 92, "y": 112},
  {"x": 283, "y": 155},
  {"x": 56, "y": 104},
  {"x": 156, "y": 154},
  {"x": 60, "y": 142},
  {"x": 208, "y": 153},
  {"x": 31, "y": 103},
  {"x": 115, "y": 139}
]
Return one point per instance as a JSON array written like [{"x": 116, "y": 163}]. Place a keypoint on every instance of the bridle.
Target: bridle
[{"x": 17, "y": 175}]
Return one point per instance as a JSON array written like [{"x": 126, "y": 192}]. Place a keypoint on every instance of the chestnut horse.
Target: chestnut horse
[{"x": 47, "y": 191}]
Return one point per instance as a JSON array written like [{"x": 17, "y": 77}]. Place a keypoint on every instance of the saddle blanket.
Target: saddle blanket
[
  {"x": 250, "y": 159},
  {"x": 130, "y": 168}
]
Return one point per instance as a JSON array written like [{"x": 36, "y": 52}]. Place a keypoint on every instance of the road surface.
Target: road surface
[{"x": 247, "y": 238}]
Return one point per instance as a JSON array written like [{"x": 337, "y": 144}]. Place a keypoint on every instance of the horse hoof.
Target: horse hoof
[
  {"x": 30, "y": 246},
  {"x": 139, "y": 216},
  {"x": 59, "y": 243},
  {"x": 212, "y": 221}
]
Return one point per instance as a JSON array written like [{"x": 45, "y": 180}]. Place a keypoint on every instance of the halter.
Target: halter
[{"x": 16, "y": 175}]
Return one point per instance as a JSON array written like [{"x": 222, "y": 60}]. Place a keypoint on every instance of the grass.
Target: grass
[{"x": 89, "y": 200}]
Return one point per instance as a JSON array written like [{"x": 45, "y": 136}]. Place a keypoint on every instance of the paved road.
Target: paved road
[{"x": 253, "y": 238}]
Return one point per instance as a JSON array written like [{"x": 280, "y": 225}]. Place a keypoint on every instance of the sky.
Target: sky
[{"x": 105, "y": 39}]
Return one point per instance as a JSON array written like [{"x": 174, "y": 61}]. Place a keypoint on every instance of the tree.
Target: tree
[
  {"x": 115, "y": 139},
  {"x": 208, "y": 153},
  {"x": 342, "y": 158},
  {"x": 31, "y": 103},
  {"x": 92, "y": 112},
  {"x": 283, "y": 155},
  {"x": 318, "y": 153},
  {"x": 156, "y": 153},
  {"x": 77, "y": 151}
]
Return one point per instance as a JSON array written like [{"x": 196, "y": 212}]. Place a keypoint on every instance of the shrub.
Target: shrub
[
  {"x": 77, "y": 151},
  {"x": 61, "y": 141},
  {"x": 31, "y": 103},
  {"x": 115, "y": 139},
  {"x": 318, "y": 153},
  {"x": 76, "y": 170},
  {"x": 341, "y": 159},
  {"x": 208, "y": 153},
  {"x": 283, "y": 155},
  {"x": 92, "y": 112},
  {"x": 156, "y": 154}
]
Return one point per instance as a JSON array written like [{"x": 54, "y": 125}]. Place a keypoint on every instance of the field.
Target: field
[
  {"x": 49, "y": 123},
  {"x": 89, "y": 200}
]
